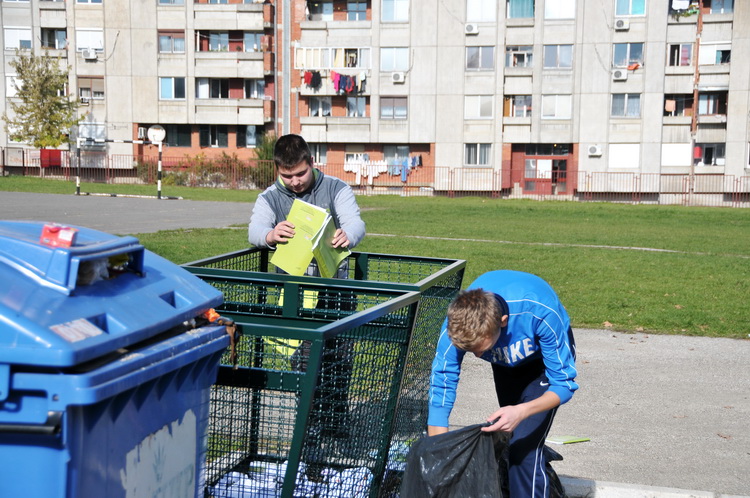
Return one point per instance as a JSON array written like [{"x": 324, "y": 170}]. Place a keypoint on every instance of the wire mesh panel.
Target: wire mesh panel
[{"x": 353, "y": 422}]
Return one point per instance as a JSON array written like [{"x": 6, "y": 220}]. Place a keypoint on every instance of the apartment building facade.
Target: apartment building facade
[{"x": 503, "y": 94}]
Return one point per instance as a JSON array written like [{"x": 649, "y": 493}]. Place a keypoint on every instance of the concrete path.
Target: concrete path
[{"x": 666, "y": 415}]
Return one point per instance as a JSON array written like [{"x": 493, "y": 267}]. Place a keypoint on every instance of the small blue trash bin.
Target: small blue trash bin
[{"x": 104, "y": 374}]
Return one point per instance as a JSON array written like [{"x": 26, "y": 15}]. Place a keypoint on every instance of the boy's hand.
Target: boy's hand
[
  {"x": 280, "y": 234},
  {"x": 340, "y": 239}
]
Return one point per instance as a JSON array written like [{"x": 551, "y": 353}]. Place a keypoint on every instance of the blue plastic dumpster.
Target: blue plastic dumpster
[{"x": 105, "y": 375}]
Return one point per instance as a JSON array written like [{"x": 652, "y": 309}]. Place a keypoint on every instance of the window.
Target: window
[
  {"x": 248, "y": 135},
  {"x": 17, "y": 38},
  {"x": 556, "y": 106},
  {"x": 356, "y": 11},
  {"x": 394, "y": 59},
  {"x": 172, "y": 42},
  {"x": 90, "y": 89},
  {"x": 517, "y": 106},
  {"x": 558, "y": 56},
  {"x": 712, "y": 103},
  {"x": 630, "y": 8},
  {"x": 626, "y": 54},
  {"x": 54, "y": 39},
  {"x": 319, "y": 152},
  {"x": 719, "y": 6},
  {"x": 480, "y": 10},
  {"x": 213, "y": 136},
  {"x": 320, "y": 10},
  {"x": 87, "y": 39},
  {"x": 626, "y": 105},
  {"x": 520, "y": 8},
  {"x": 394, "y": 155},
  {"x": 714, "y": 53},
  {"x": 255, "y": 88},
  {"x": 356, "y": 107},
  {"x": 477, "y": 154},
  {"x": 212, "y": 88},
  {"x": 681, "y": 54},
  {"x": 171, "y": 88},
  {"x": 331, "y": 58},
  {"x": 709, "y": 155},
  {"x": 319, "y": 106},
  {"x": 478, "y": 106},
  {"x": 393, "y": 107},
  {"x": 171, "y": 2},
  {"x": 252, "y": 41},
  {"x": 678, "y": 105},
  {"x": 395, "y": 10},
  {"x": 218, "y": 41},
  {"x": 560, "y": 9},
  {"x": 547, "y": 149},
  {"x": 88, "y": 1},
  {"x": 480, "y": 58},
  {"x": 519, "y": 56},
  {"x": 178, "y": 135}
]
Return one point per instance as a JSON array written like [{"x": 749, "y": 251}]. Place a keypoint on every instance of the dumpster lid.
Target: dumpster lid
[{"x": 60, "y": 306}]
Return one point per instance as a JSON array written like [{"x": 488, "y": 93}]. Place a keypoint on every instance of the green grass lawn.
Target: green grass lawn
[{"x": 657, "y": 269}]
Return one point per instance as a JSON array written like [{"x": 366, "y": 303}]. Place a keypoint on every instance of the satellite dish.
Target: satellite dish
[{"x": 156, "y": 133}]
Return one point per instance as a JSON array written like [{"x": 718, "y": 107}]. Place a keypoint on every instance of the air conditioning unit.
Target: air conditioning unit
[
  {"x": 595, "y": 150},
  {"x": 622, "y": 24},
  {"x": 141, "y": 133},
  {"x": 398, "y": 77},
  {"x": 471, "y": 29},
  {"x": 89, "y": 54},
  {"x": 619, "y": 75}
]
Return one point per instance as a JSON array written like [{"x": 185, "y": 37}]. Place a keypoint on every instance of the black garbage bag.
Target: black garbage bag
[{"x": 462, "y": 463}]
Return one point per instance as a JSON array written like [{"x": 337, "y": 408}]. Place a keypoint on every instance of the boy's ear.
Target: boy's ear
[{"x": 504, "y": 321}]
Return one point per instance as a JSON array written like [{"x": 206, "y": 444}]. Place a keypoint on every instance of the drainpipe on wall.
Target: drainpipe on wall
[{"x": 696, "y": 95}]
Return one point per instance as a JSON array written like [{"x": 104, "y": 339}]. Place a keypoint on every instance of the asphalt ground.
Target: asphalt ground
[{"x": 665, "y": 415}]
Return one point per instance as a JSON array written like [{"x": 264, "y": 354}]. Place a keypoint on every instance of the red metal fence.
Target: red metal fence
[{"x": 408, "y": 180}]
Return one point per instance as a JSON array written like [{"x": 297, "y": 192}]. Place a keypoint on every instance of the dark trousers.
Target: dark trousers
[{"x": 527, "y": 477}]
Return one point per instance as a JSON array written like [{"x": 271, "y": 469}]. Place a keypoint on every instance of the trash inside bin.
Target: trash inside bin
[{"x": 105, "y": 373}]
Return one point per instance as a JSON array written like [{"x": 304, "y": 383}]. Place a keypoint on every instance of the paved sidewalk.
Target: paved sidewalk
[{"x": 665, "y": 414}]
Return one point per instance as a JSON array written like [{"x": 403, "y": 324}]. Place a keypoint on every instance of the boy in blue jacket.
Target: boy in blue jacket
[{"x": 515, "y": 321}]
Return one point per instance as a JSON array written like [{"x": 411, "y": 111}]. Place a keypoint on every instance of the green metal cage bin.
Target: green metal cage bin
[{"x": 332, "y": 381}]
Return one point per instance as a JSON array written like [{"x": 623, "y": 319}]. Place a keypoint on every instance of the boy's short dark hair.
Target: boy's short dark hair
[
  {"x": 473, "y": 316},
  {"x": 290, "y": 150}
]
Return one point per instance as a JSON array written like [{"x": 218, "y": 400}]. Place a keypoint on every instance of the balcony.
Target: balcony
[
  {"x": 241, "y": 16},
  {"x": 230, "y": 111},
  {"x": 231, "y": 64}
]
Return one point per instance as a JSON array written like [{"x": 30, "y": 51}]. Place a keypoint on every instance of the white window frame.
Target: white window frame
[
  {"x": 394, "y": 10},
  {"x": 679, "y": 47},
  {"x": 358, "y": 13},
  {"x": 319, "y": 152},
  {"x": 708, "y": 53},
  {"x": 171, "y": 2},
  {"x": 709, "y": 103},
  {"x": 169, "y": 82},
  {"x": 478, "y": 155},
  {"x": 17, "y": 37},
  {"x": 89, "y": 1},
  {"x": 719, "y": 155},
  {"x": 560, "y": 9},
  {"x": 319, "y": 106},
  {"x": 722, "y": 9},
  {"x": 323, "y": 58},
  {"x": 89, "y": 39},
  {"x": 254, "y": 88},
  {"x": 394, "y": 59},
  {"x": 57, "y": 43},
  {"x": 481, "y": 57},
  {"x": 396, "y": 111},
  {"x": 629, "y": 46},
  {"x": 394, "y": 155},
  {"x": 520, "y": 106},
  {"x": 560, "y": 53},
  {"x": 481, "y": 10},
  {"x": 516, "y": 53},
  {"x": 625, "y": 8},
  {"x": 557, "y": 106},
  {"x": 478, "y": 106},
  {"x": 252, "y": 41},
  {"x": 171, "y": 37},
  {"x": 356, "y": 106},
  {"x": 509, "y": 8},
  {"x": 628, "y": 97}
]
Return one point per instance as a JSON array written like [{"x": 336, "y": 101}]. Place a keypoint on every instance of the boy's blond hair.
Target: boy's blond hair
[{"x": 473, "y": 316}]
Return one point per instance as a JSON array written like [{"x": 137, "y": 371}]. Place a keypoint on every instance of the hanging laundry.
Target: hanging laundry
[
  {"x": 315, "y": 80},
  {"x": 351, "y": 84},
  {"x": 307, "y": 78},
  {"x": 335, "y": 79}
]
